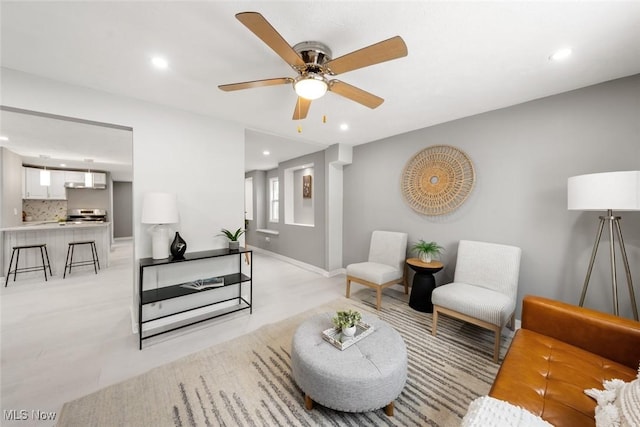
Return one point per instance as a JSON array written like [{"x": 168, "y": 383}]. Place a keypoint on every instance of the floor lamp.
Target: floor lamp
[
  {"x": 619, "y": 191},
  {"x": 160, "y": 209}
]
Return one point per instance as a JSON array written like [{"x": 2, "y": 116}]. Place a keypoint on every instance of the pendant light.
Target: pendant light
[{"x": 45, "y": 177}]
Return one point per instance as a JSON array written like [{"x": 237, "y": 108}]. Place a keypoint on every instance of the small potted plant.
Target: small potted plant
[
  {"x": 347, "y": 321},
  {"x": 233, "y": 237},
  {"x": 427, "y": 250}
]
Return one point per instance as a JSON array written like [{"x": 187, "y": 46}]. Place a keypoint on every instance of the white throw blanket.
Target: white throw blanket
[{"x": 486, "y": 411}]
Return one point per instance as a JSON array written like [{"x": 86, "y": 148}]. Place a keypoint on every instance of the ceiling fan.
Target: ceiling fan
[{"x": 313, "y": 62}]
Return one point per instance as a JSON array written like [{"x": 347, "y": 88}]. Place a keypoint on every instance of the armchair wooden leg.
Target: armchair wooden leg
[
  {"x": 434, "y": 322},
  {"x": 348, "y": 287},
  {"x": 378, "y": 298},
  {"x": 512, "y": 322},
  {"x": 496, "y": 347}
]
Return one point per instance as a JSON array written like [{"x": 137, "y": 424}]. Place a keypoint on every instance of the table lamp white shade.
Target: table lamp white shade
[
  {"x": 619, "y": 191},
  {"x": 160, "y": 209}
]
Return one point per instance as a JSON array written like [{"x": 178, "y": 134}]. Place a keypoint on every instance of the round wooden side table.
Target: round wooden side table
[{"x": 423, "y": 284}]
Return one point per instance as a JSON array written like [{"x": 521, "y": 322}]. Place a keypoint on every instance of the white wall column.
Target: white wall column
[{"x": 337, "y": 156}]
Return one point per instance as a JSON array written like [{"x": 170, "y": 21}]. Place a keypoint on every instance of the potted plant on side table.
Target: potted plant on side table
[
  {"x": 347, "y": 321},
  {"x": 427, "y": 250},
  {"x": 233, "y": 237}
]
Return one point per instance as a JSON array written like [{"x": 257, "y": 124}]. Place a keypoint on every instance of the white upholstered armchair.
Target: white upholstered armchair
[
  {"x": 484, "y": 288},
  {"x": 385, "y": 266}
]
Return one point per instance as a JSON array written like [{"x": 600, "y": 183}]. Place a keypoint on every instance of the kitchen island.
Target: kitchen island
[{"x": 57, "y": 237}]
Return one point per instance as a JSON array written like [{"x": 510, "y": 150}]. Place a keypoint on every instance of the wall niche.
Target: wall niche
[{"x": 299, "y": 195}]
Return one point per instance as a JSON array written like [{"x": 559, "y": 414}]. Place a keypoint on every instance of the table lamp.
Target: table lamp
[
  {"x": 160, "y": 209},
  {"x": 609, "y": 191}
]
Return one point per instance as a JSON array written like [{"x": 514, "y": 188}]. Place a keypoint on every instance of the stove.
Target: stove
[{"x": 86, "y": 215}]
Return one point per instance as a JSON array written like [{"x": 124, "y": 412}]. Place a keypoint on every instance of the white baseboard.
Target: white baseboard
[
  {"x": 134, "y": 321},
  {"x": 298, "y": 263},
  {"x": 338, "y": 271}
]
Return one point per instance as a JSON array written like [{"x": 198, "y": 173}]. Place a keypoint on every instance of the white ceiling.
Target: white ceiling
[{"x": 464, "y": 58}]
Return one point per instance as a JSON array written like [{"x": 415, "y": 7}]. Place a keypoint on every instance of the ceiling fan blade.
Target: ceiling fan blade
[
  {"x": 355, "y": 94},
  {"x": 302, "y": 108},
  {"x": 256, "y": 83},
  {"x": 386, "y": 50},
  {"x": 259, "y": 26}
]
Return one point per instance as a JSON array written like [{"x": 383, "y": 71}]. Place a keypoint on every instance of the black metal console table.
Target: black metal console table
[{"x": 159, "y": 294}]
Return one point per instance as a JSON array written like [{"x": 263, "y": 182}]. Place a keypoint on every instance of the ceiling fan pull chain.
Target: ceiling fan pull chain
[
  {"x": 299, "y": 129},
  {"x": 324, "y": 118}
]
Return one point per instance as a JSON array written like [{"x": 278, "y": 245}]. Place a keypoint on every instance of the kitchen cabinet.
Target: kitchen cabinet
[
  {"x": 99, "y": 178},
  {"x": 56, "y": 189},
  {"x": 75, "y": 177},
  {"x": 33, "y": 189}
]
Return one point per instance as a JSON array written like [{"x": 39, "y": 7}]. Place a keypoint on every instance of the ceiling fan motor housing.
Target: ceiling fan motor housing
[
  {"x": 312, "y": 74},
  {"x": 314, "y": 54}
]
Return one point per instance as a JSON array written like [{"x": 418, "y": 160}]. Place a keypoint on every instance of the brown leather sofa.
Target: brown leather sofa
[{"x": 560, "y": 351}]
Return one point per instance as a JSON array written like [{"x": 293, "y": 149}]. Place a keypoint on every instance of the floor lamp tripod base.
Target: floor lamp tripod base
[{"x": 613, "y": 222}]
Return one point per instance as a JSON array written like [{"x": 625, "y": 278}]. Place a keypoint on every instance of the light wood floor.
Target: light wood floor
[{"x": 63, "y": 339}]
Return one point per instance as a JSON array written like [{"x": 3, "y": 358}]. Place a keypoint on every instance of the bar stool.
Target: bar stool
[
  {"x": 16, "y": 270},
  {"x": 94, "y": 257}
]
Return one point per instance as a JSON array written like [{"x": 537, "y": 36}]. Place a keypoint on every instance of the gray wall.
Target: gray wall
[
  {"x": 302, "y": 243},
  {"x": 122, "y": 209},
  {"x": 10, "y": 188},
  {"x": 523, "y": 156}
]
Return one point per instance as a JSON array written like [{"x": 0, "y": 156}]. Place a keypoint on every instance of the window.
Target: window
[
  {"x": 248, "y": 199},
  {"x": 274, "y": 195}
]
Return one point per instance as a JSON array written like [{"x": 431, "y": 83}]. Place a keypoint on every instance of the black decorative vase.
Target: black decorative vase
[{"x": 178, "y": 247}]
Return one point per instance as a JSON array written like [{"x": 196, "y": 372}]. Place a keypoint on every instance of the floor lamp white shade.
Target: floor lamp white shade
[
  {"x": 609, "y": 191},
  {"x": 619, "y": 191},
  {"x": 160, "y": 209}
]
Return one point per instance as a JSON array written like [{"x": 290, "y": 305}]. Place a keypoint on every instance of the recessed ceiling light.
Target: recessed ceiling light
[
  {"x": 344, "y": 126},
  {"x": 266, "y": 152},
  {"x": 4, "y": 138},
  {"x": 561, "y": 54},
  {"x": 63, "y": 164},
  {"x": 159, "y": 62}
]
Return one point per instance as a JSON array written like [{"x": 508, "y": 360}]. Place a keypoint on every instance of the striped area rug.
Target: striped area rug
[{"x": 247, "y": 381}]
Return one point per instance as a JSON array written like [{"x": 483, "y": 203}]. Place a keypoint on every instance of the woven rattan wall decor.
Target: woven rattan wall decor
[{"x": 437, "y": 180}]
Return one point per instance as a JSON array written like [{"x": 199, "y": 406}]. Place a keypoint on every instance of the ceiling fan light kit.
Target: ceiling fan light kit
[
  {"x": 313, "y": 62},
  {"x": 311, "y": 86}
]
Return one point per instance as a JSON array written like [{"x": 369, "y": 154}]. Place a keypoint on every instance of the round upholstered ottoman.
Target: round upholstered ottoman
[{"x": 366, "y": 376}]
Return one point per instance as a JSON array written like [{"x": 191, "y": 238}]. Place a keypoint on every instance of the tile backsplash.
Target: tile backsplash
[{"x": 45, "y": 210}]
